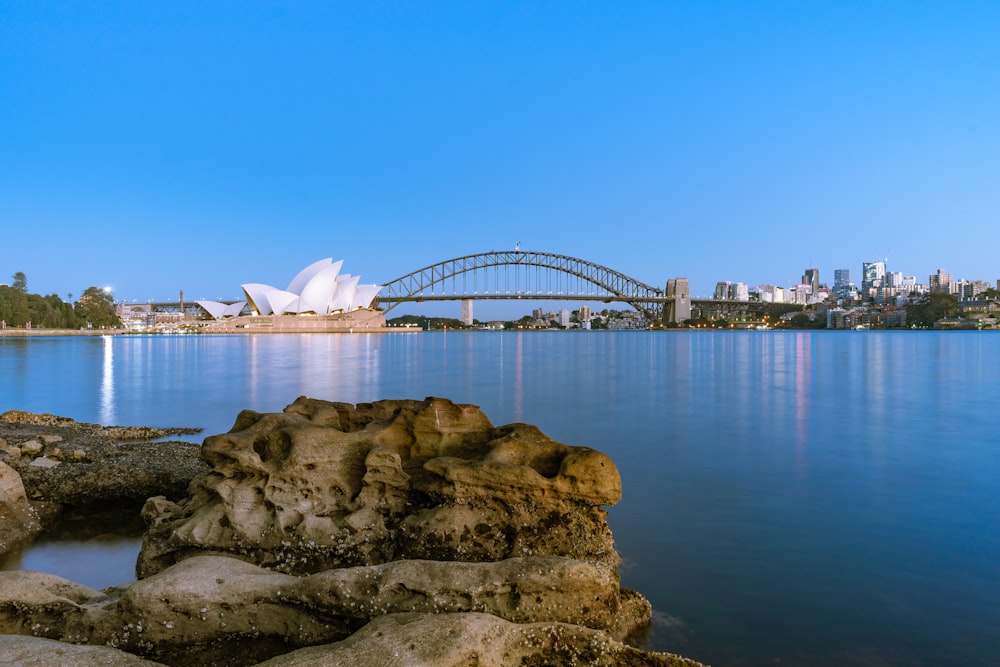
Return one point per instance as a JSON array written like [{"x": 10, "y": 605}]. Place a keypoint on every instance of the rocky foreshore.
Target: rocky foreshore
[{"x": 400, "y": 532}]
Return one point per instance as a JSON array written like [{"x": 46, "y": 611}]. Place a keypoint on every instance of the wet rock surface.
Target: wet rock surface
[
  {"x": 64, "y": 461},
  {"x": 390, "y": 533}
]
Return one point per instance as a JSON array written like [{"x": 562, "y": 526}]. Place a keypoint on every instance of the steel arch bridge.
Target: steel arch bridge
[{"x": 523, "y": 274}]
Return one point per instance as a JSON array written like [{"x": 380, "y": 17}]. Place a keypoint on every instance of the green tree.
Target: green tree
[
  {"x": 14, "y": 306},
  {"x": 97, "y": 308},
  {"x": 20, "y": 282},
  {"x": 931, "y": 309},
  {"x": 803, "y": 321}
]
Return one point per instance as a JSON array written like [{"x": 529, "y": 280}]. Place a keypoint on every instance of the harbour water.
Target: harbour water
[{"x": 790, "y": 498}]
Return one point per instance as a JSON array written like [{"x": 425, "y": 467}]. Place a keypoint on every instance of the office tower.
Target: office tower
[
  {"x": 811, "y": 278},
  {"x": 940, "y": 281},
  {"x": 722, "y": 289},
  {"x": 873, "y": 275},
  {"x": 841, "y": 278}
]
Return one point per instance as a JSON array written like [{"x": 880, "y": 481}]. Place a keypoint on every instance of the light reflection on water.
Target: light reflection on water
[
  {"x": 808, "y": 498},
  {"x": 108, "y": 414}
]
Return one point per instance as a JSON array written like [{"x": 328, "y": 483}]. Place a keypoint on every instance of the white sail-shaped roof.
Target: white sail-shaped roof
[
  {"x": 214, "y": 308},
  {"x": 305, "y": 275},
  {"x": 234, "y": 309},
  {"x": 219, "y": 310},
  {"x": 282, "y": 302},
  {"x": 319, "y": 288},
  {"x": 344, "y": 295},
  {"x": 256, "y": 297},
  {"x": 364, "y": 295},
  {"x": 317, "y": 294}
]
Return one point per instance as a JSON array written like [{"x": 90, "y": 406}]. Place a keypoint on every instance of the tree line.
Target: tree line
[{"x": 19, "y": 308}]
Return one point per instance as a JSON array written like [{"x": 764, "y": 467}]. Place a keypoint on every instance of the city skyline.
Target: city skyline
[{"x": 159, "y": 148}]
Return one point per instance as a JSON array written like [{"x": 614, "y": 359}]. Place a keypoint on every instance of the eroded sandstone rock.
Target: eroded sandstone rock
[
  {"x": 326, "y": 485},
  {"x": 434, "y": 640},
  {"x": 75, "y": 463},
  {"x": 390, "y": 533},
  {"x": 37, "y": 652},
  {"x": 18, "y": 520}
]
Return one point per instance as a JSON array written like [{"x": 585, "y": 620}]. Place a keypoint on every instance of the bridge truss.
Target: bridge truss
[{"x": 521, "y": 274}]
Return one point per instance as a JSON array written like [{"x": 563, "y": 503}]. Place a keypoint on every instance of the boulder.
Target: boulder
[
  {"x": 389, "y": 533},
  {"x": 326, "y": 485},
  {"x": 433, "y": 640},
  {"x": 18, "y": 520},
  {"x": 38, "y": 652}
]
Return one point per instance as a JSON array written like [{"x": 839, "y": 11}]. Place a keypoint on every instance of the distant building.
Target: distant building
[
  {"x": 564, "y": 318},
  {"x": 585, "y": 314},
  {"x": 722, "y": 290},
  {"x": 811, "y": 278},
  {"x": 467, "y": 312},
  {"x": 771, "y": 293},
  {"x": 940, "y": 282},
  {"x": 841, "y": 278},
  {"x": 873, "y": 278}
]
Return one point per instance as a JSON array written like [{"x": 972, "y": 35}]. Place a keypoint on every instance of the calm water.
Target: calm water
[{"x": 799, "y": 498}]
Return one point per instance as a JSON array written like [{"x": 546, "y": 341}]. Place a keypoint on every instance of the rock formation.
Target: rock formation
[
  {"x": 389, "y": 533},
  {"x": 18, "y": 521},
  {"x": 68, "y": 462},
  {"x": 326, "y": 485}
]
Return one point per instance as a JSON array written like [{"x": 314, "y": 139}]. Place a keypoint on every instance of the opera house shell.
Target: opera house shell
[
  {"x": 319, "y": 292},
  {"x": 318, "y": 289}
]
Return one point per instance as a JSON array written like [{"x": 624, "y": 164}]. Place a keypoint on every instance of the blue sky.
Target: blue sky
[{"x": 155, "y": 147}]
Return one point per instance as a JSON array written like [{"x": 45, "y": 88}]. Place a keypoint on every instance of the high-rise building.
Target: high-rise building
[
  {"x": 873, "y": 277},
  {"x": 467, "y": 312},
  {"x": 811, "y": 278},
  {"x": 585, "y": 313},
  {"x": 722, "y": 289},
  {"x": 841, "y": 278},
  {"x": 940, "y": 281}
]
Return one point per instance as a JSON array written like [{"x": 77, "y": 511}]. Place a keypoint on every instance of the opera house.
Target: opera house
[{"x": 318, "y": 299}]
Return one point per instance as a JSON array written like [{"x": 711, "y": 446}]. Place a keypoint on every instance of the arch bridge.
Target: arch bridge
[{"x": 522, "y": 274}]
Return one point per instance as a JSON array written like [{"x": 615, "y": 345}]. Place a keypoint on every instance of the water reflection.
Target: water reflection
[
  {"x": 803, "y": 396},
  {"x": 792, "y": 496},
  {"x": 108, "y": 412}
]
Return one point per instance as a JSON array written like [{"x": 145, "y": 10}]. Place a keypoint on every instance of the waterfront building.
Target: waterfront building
[
  {"x": 467, "y": 319},
  {"x": 318, "y": 289}
]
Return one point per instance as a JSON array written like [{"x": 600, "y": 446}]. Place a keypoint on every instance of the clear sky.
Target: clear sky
[{"x": 160, "y": 146}]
